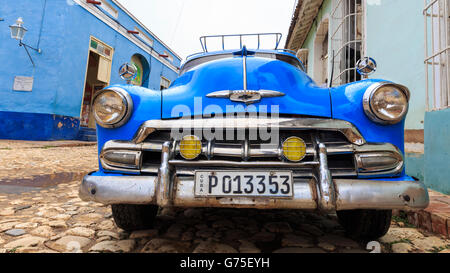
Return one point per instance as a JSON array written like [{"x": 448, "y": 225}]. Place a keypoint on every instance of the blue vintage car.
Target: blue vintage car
[{"x": 248, "y": 128}]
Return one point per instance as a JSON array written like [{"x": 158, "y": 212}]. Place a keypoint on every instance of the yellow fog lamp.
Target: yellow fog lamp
[
  {"x": 294, "y": 149},
  {"x": 190, "y": 147}
]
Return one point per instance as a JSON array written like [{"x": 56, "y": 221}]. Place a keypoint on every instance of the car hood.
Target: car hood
[{"x": 188, "y": 95}]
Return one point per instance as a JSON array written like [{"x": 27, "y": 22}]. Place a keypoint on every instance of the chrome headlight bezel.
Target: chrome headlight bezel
[
  {"x": 368, "y": 98},
  {"x": 127, "y": 102}
]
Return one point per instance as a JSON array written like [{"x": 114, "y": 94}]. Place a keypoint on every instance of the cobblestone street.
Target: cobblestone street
[
  {"x": 51, "y": 218},
  {"x": 24, "y": 161}
]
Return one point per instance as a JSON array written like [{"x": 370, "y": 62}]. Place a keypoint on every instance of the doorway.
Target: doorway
[{"x": 97, "y": 78}]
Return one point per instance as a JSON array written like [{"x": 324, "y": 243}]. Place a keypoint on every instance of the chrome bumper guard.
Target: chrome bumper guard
[{"x": 325, "y": 193}]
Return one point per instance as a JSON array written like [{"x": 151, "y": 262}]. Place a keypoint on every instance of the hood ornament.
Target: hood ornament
[{"x": 245, "y": 96}]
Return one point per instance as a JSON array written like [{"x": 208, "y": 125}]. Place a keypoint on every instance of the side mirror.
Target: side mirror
[
  {"x": 366, "y": 66},
  {"x": 128, "y": 72}
]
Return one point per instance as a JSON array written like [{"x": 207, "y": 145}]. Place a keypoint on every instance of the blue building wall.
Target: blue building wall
[{"x": 62, "y": 29}]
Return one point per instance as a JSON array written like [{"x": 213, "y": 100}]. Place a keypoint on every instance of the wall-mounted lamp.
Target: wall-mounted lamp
[{"x": 18, "y": 32}]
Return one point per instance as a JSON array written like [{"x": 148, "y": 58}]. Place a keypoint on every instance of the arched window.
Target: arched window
[{"x": 143, "y": 70}]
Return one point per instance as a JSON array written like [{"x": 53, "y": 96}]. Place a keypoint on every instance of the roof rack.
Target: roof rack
[{"x": 203, "y": 39}]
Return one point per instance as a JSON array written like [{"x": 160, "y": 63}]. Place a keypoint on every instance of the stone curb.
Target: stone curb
[{"x": 435, "y": 218}]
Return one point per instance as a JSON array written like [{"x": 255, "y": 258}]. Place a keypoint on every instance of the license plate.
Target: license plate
[{"x": 278, "y": 184}]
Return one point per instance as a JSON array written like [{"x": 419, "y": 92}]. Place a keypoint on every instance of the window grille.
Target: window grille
[
  {"x": 437, "y": 45},
  {"x": 346, "y": 40}
]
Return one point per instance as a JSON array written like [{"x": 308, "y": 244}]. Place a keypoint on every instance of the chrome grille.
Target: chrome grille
[
  {"x": 346, "y": 152},
  {"x": 254, "y": 154}
]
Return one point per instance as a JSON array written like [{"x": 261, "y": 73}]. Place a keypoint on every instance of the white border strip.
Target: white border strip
[
  {"x": 111, "y": 23},
  {"x": 145, "y": 28}
]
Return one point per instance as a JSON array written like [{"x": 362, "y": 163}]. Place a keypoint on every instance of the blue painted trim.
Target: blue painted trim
[{"x": 38, "y": 127}]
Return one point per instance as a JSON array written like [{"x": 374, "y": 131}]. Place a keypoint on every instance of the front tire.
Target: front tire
[
  {"x": 134, "y": 217},
  {"x": 365, "y": 224}
]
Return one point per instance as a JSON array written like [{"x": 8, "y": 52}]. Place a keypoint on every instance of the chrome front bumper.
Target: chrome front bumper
[{"x": 323, "y": 193}]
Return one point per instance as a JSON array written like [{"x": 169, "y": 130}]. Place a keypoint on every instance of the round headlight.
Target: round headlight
[
  {"x": 294, "y": 149},
  {"x": 112, "y": 107},
  {"x": 386, "y": 103},
  {"x": 190, "y": 147}
]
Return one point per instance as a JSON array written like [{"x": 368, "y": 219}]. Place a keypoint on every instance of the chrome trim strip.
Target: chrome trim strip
[
  {"x": 220, "y": 94},
  {"x": 243, "y": 164},
  {"x": 345, "y": 127},
  {"x": 301, "y": 172},
  {"x": 244, "y": 75}
]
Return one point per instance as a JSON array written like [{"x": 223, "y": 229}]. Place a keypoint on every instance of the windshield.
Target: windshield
[{"x": 276, "y": 56}]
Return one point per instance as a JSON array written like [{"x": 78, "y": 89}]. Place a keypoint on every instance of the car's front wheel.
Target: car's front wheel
[
  {"x": 365, "y": 224},
  {"x": 134, "y": 217}
]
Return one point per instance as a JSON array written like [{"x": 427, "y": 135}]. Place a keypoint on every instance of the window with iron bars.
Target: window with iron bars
[
  {"x": 346, "y": 40},
  {"x": 437, "y": 45}
]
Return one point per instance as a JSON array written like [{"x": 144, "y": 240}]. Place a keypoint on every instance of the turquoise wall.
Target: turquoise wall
[
  {"x": 437, "y": 150},
  {"x": 396, "y": 42},
  {"x": 324, "y": 12},
  {"x": 395, "y": 34},
  {"x": 415, "y": 165}
]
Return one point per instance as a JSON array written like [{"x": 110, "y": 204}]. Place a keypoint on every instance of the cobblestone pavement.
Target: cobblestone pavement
[
  {"x": 56, "y": 220},
  {"x": 24, "y": 160}
]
